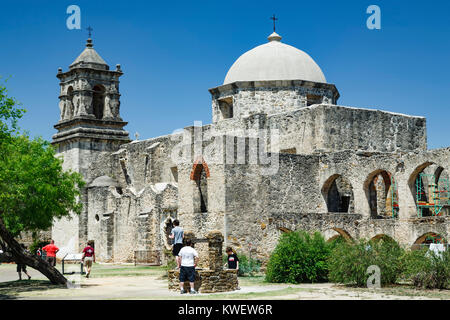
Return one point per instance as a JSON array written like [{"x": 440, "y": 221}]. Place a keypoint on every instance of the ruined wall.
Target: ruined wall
[
  {"x": 372, "y": 130},
  {"x": 132, "y": 212},
  {"x": 259, "y": 209},
  {"x": 331, "y": 128},
  {"x": 251, "y": 207}
]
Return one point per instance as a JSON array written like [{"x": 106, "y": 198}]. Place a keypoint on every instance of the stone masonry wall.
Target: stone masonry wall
[{"x": 213, "y": 279}]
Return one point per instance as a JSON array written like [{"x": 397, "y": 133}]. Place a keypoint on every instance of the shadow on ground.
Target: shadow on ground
[{"x": 12, "y": 289}]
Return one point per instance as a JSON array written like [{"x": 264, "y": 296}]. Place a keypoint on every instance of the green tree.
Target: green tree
[{"x": 34, "y": 189}]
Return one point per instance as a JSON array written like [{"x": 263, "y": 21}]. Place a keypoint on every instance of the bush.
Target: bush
[
  {"x": 348, "y": 262},
  {"x": 248, "y": 266},
  {"x": 299, "y": 257},
  {"x": 428, "y": 270}
]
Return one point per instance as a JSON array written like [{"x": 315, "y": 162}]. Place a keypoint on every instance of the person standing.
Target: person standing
[
  {"x": 187, "y": 261},
  {"x": 232, "y": 260},
  {"x": 51, "y": 251},
  {"x": 177, "y": 235},
  {"x": 21, "y": 267},
  {"x": 88, "y": 258}
]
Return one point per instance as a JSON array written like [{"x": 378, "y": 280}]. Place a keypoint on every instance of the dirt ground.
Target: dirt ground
[{"x": 129, "y": 282}]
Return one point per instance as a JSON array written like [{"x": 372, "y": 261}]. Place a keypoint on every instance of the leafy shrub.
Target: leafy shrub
[
  {"x": 428, "y": 270},
  {"x": 299, "y": 257},
  {"x": 348, "y": 262},
  {"x": 248, "y": 266}
]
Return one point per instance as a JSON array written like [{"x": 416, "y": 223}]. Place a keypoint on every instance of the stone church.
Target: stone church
[{"x": 279, "y": 155}]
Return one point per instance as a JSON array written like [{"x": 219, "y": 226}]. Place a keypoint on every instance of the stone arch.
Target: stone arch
[
  {"x": 200, "y": 174},
  {"x": 336, "y": 233},
  {"x": 428, "y": 238},
  {"x": 382, "y": 236},
  {"x": 382, "y": 194},
  {"x": 197, "y": 168},
  {"x": 429, "y": 185},
  {"x": 98, "y": 101},
  {"x": 442, "y": 182},
  {"x": 338, "y": 194}
]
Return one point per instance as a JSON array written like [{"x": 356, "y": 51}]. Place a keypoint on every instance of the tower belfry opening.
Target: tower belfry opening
[{"x": 98, "y": 101}]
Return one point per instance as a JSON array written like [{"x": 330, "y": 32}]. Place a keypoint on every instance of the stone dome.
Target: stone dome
[
  {"x": 274, "y": 61},
  {"x": 90, "y": 58}
]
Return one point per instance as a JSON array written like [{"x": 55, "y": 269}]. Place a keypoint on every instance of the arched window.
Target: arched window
[
  {"x": 98, "y": 101},
  {"x": 69, "y": 103},
  {"x": 202, "y": 186},
  {"x": 199, "y": 174},
  {"x": 338, "y": 194},
  {"x": 381, "y": 192},
  {"x": 430, "y": 186}
]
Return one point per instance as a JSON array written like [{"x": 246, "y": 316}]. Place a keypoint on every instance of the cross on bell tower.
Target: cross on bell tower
[
  {"x": 89, "y": 29},
  {"x": 274, "y": 19}
]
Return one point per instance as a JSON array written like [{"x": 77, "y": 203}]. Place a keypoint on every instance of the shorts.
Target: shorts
[
  {"x": 51, "y": 261},
  {"x": 187, "y": 274},
  {"x": 176, "y": 249},
  {"x": 21, "y": 267},
  {"x": 88, "y": 261}
]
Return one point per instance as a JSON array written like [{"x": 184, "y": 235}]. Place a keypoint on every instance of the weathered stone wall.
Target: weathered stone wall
[
  {"x": 250, "y": 207},
  {"x": 331, "y": 128},
  {"x": 269, "y": 97},
  {"x": 71, "y": 234}
]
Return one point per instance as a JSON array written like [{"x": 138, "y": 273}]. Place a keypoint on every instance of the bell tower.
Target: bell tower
[
  {"x": 89, "y": 102},
  {"x": 89, "y": 126}
]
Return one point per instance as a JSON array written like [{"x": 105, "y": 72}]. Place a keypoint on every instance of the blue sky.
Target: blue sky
[{"x": 172, "y": 52}]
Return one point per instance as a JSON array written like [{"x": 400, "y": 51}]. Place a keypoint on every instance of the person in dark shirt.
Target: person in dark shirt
[
  {"x": 232, "y": 259},
  {"x": 21, "y": 267}
]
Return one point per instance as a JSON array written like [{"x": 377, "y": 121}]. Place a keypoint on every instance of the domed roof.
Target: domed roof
[
  {"x": 274, "y": 61},
  {"x": 90, "y": 58}
]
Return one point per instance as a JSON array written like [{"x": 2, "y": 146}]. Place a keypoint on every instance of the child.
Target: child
[{"x": 232, "y": 260}]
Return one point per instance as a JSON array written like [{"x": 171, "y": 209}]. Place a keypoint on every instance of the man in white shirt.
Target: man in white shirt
[{"x": 187, "y": 261}]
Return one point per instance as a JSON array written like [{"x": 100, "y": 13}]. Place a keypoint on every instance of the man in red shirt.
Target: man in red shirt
[
  {"x": 51, "y": 251},
  {"x": 88, "y": 258}
]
